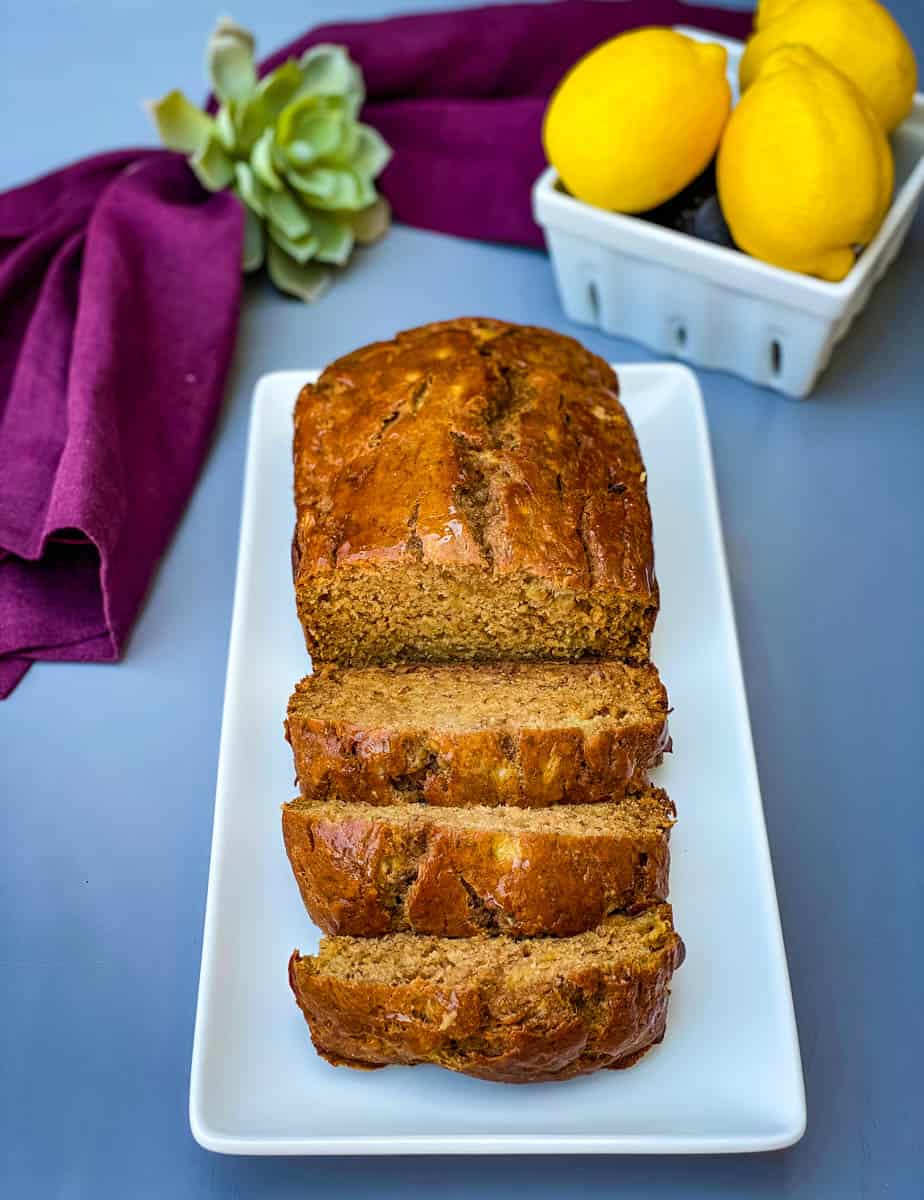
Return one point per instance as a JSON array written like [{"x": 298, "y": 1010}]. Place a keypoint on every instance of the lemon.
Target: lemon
[
  {"x": 859, "y": 37},
  {"x": 804, "y": 171},
  {"x": 637, "y": 119}
]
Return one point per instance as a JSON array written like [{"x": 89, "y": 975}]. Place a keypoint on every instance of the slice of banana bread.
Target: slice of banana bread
[
  {"x": 527, "y": 734},
  {"x": 364, "y": 870},
  {"x": 500, "y": 1009},
  {"x": 470, "y": 490}
]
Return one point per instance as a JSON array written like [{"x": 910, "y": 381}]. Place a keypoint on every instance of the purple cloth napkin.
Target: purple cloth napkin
[
  {"x": 120, "y": 291},
  {"x": 119, "y": 296}
]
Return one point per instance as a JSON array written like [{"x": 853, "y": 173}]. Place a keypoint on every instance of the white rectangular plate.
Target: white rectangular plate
[{"x": 728, "y": 1076}]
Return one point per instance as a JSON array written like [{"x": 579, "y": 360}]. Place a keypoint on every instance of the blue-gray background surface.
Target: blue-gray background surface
[{"x": 107, "y": 773}]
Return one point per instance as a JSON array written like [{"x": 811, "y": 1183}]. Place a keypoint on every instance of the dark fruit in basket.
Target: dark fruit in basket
[
  {"x": 694, "y": 211},
  {"x": 709, "y": 224}
]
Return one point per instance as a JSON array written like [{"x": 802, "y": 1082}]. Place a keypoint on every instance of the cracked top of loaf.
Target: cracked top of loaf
[{"x": 459, "y": 487}]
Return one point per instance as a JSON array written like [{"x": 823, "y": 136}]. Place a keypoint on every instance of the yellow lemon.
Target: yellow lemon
[
  {"x": 804, "y": 171},
  {"x": 859, "y": 37},
  {"x": 637, "y": 119}
]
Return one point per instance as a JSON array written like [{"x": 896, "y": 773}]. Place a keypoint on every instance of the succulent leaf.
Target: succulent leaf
[
  {"x": 373, "y": 222},
  {"x": 301, "y": 154},
  {"x": 280, "y": 158},
  {"x": 250, "y": 189},
  {"x": 367, "y": 193},
  {"x": 332, "y": 189},
  {"x": 261, "y": 159},
  {"x": 345, "y": 153},
  {"x": 314, "y": 186},
  {"x": 229, "y": 60},
  {"x": 372, "y": 152},
  {"x": 335, "y": 237},
  {"x": 212, "y": 166},
  {"x": 251, "y": 117},
  {"x": 286, "y": 214},
  {"x": 180, "y": 125},
  {"x": 314, "y": 119},
  {"x": 278, "y": 88},
  {"x": 224, "y": 127},
  {"x": 226, "y": 26},
  {"x": 301, "y": 249},
  {"x": 329, "y": 71},
  {"x": 306, "y": 281},
  {"x": 252, "y": 251}
]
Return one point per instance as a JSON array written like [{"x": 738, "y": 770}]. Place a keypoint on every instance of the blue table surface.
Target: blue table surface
[{"x": 107, "y": 773}]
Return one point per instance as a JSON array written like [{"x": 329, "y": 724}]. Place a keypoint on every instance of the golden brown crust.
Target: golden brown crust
[
  {"x": 583, "y": 1017},
  {"x": 363, "y": 872},
  {"x": 461, "y": 455},
  {"x": 584, "y": 756}
]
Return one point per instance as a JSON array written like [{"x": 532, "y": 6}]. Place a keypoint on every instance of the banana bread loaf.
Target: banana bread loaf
[
  {"x": 470, "y": 490},
  {"x": 500, "y": 1009},
  {"x": 364, "y": 870},
  {"x": 527, "y": 734}
]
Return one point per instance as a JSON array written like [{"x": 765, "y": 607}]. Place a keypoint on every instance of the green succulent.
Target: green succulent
[{"x": 291, "y": 147}]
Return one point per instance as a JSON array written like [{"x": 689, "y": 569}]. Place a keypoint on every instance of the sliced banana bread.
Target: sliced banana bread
[
  {"x": 527, "y": 734},
  {"x": 364, "y": 870},
  {"x": 470, "y": 490},
  {"x": 506, "y": 1010}
]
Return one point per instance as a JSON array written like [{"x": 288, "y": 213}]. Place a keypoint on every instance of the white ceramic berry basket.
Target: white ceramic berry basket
[{"x": 713, "y": 306}]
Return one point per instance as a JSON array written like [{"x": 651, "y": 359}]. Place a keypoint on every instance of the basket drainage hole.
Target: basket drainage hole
[
  {"x": 680, "y": 335},
  {"x": 776, "y": 358},
  {"x": 593, "y": 300}
]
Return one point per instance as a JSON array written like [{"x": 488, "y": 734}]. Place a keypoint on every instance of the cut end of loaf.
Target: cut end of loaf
[
  {"x": 399, "y": 959},
  {"x": 465, "y": 697},
  {"x": 407, "y": 613},
  {"x": 648, "y": 810}
]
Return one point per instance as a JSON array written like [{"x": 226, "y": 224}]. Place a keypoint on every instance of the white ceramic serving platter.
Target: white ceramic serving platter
[{"x": 727, "y": 1077}]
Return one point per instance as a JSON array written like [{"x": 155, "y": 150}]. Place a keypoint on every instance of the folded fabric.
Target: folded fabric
[
  {"x": 119, "y": 296},
  {"x": 120, "y": 291}
]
